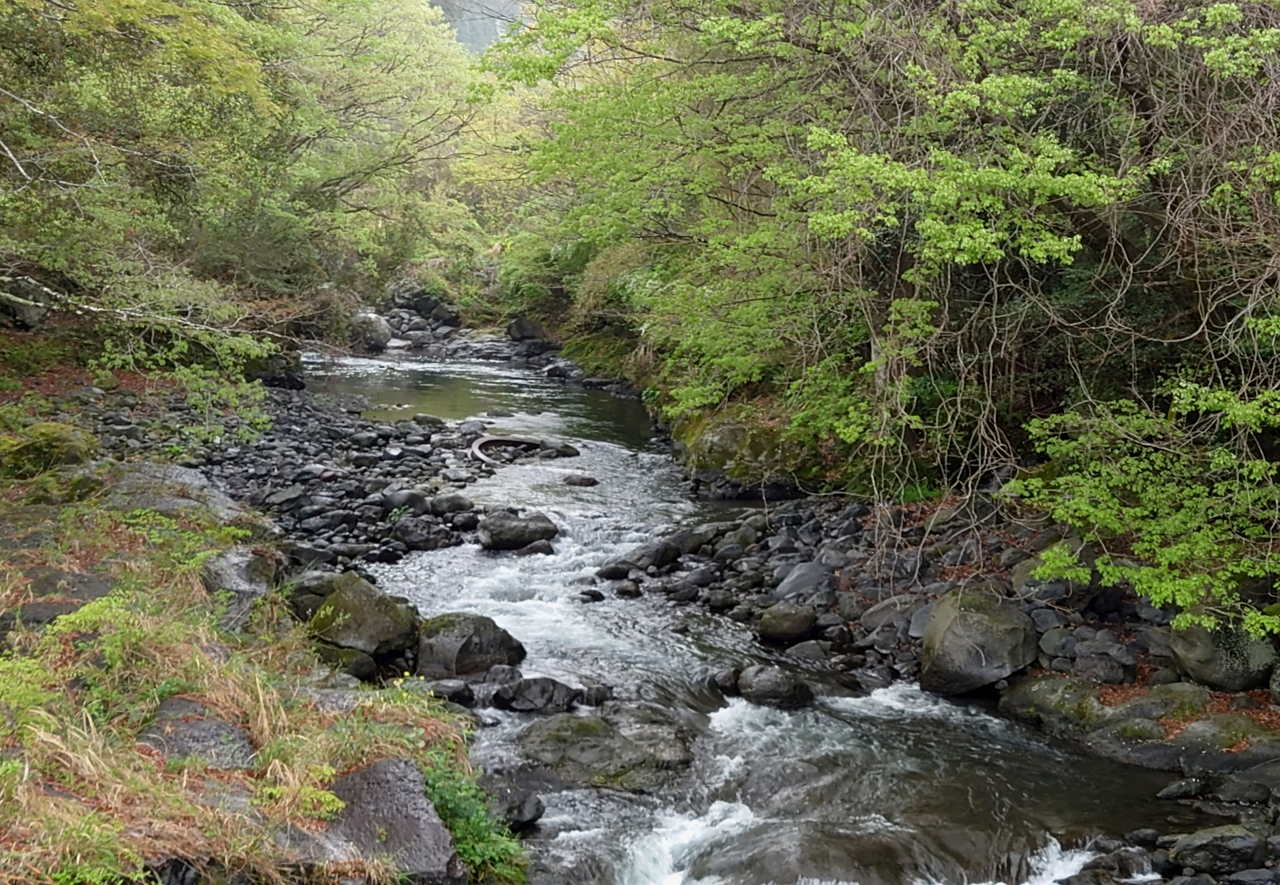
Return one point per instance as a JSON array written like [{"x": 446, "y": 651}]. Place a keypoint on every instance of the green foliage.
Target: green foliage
[
  {"x": 1175, "y": 502},
  {"x": 483, "y": 844},
  {"x": 917, "y": 226}
]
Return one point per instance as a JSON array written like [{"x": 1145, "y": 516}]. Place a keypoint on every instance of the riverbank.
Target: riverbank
[{"x": 165, "y": 714}]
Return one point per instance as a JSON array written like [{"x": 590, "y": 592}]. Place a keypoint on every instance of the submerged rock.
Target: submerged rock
[{"x": 629, "y": 749}]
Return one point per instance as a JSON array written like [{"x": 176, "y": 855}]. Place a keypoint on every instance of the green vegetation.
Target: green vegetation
[
  {"x": 85, "y": 802},
  {"x": 931, "y": 239}
]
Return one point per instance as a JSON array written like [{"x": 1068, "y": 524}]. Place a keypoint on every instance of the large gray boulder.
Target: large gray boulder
[
  {"x": 1219, "y": 850},
  {"x": 358, "y": 615},
  {"x": 387, "y": 816},
  {"x": 786, "y": 623},
  {"x": 459, "y": 644},
  {"x": 773, "y": 687},
  {"x": 371, "y": 332},
  {"x": 1227, "y": 659},
  {"x": 974, "y": 637},
  {"x": 508, "y": 531}
]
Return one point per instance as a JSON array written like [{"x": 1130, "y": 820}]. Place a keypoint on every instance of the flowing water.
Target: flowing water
[{"x": 895, "y": 788}]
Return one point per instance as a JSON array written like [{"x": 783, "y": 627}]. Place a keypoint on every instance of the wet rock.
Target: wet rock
[
  {"x": 786, "y": 623},
  {"x": 1228, "y": 659},
  {"x": 1219, "y": 850},
  {"x": 358, "y": 615},
  {"x": 537, "y": 695},
  {"x": 1187, "y": 788},
  {"x": 658, "y": 554},
  {"x": 183, "y": 729},
  {"x": 628, "y": 749},
  {"x": 387, "y": 816},
  {"x": 459, "y": 644},
  {"x": 518, "y": 808},
  {"x": 1066, "y": 707},
  {"x": 974, "y": 638},
  {"x": 773, "y": 687},
  {"x": 351, "y": 661},
  {"x": 727, "y": 681},
  {"x": 627, "y": 590},
  {"x": 507, "y": 531},
  {"x": 537, "y": 548},
  {"x": 580, "y": 480}
]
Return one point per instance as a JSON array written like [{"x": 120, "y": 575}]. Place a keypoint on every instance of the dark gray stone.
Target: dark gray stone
[
  {"x": 974, "y": 638},
  {"x": 1227, "y": 659},
  {"x": 786, "y": 623},
  {"x": 773, "y": 687},
  {"x": 537, "y": 695},
  {"x": 184, "y": 729},
  {"x": 458, "y": 644},
  {"x": 1219, "y": 850},
  {"x": 507, "y": 531},
  {"x": 388, "y": 816},
  {"x": 358, "y": 615}
]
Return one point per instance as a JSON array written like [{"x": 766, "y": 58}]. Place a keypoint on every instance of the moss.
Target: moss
[{"x": 43, "y": 446}]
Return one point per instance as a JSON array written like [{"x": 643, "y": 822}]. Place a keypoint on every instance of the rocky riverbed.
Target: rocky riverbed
[{"x": 809, "y": 606}]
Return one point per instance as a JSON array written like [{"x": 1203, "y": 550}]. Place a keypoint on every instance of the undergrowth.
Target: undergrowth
[{"x": 82, "y": 802}]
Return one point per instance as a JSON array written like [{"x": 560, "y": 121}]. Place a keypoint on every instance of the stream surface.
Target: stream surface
[{"x": 895, "y": 788}]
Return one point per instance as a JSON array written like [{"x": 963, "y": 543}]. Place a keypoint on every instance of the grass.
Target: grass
[{"x": 81, "y": 802}]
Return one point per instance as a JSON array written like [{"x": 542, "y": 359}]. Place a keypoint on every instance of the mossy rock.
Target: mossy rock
[
  {"x": 360, "y": 616},
  {"x": 44, "y": 446},
  {"x": 738, "y": 444},
  {"x": 637, "y": 752},
  {"x": 1062, "y": 706}
]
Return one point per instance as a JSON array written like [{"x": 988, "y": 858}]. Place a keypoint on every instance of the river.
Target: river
[{"x": 894, "y": 788}]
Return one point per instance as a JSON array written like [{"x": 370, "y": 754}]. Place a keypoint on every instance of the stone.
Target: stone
[
  {"x": 507, "y": 531},
  {"x": 538, "y": 548},
  {"x": 786, "y": 623},
  {"x": 184, "y": 729},
  {"x": 358, "y": 615},
  {"x": 887, "y": 609},
  {"x": 974, "y": 638},
  {"x": 1102, "y": 668},
  {"x": 658, "y": 554},
  {"x": 802, "y": 580},
  {"x": 1228, "y": 659},
  {"x": 241, "y": 576},
  {"x": 371, "y": 332},
  {"x": 518, "y": 808},
  {"x": 581, "y": 480},
  {"x": 460, "y": 644},
  {"x": 773, "y": 687},
  {"x": 629, "y": 749},
  {"x": 422, "y": 533},
  {"x": 524, "y": 328},
  {"x": 537, "y": 695},
  {"x": 443, "y": 505},
  {"x": 1219, "y": 850},
  {"x": 387, "y": 816},
  {"x": 348, "y": 660}
]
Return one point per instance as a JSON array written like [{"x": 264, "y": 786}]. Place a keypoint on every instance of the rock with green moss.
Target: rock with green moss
[
  {"x": 351, "y": 661},
  {"x": 358, "y": 615},
  {"x": 1227, "y": 659},
  {"x": 636, "y": 750},
  {"x": 1060, "y": 705},
  {"x": 1177, "y": 700},
  {"x": 974, "y": 637},
  {"x": 44, "y": 446}
]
